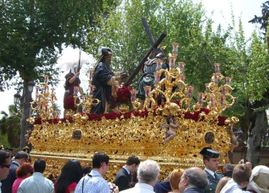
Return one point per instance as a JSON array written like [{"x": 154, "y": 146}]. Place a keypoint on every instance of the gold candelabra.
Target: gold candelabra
[{"x": 44, "y": 105}]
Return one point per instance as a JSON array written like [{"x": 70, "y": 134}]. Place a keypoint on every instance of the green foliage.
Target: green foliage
[
  {"x": 258, "y": 69},
  {"x": 10, "y": 128},
  {"x": 33, "y": 32},
  {"x": 3, "y": 139}
]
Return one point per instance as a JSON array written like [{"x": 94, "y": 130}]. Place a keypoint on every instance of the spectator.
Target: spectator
[
  {"x": 124, "y": 175},
  {"x": 24, "y": 171},
  {"x": 148, "y": 173},
  {"x": 240, "y": 180},
  {"x": 26, "y": 149},
  {"x": 228, "y": 170},
  {"x": 86, "y": 170},
  {"x": 70, "y": 175},
  {"x": 162, "y": 187},
  {"x": 5, "y": 159},
  {"x": 175, "y": 179},
  {"x": 37, "y": 183},
  {"x": 193, "y": 180},
  {"x": 259, "y": 180},
  {"x": 94, "y": 181},
  {"x": 211, "y": 162},
  {"x": 223, "y": 181},
  {"x": 21, "y": 157}
]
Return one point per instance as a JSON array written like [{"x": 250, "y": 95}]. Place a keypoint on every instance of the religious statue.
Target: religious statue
[
  {"x": 150, "y": 77},
  {"x": 103, "y": 80},
  {"x": 171, "y": 127},
  {"x": 72, "y": 90}
]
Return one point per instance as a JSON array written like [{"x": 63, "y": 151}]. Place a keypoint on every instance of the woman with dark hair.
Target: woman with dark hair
[
  {"x": 69, "y": 177},
  {"x": 24, "y": 171}
]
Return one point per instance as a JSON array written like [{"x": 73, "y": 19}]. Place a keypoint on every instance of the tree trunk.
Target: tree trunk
[
  {"x": 256, "y": 133},
  {"x": 26, "y": 112},
  {"x": 268, "y": 43}
]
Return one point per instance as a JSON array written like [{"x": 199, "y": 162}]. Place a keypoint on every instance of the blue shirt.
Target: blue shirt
[
  {"x": 37, "y": 183},
  {"x": 92, "y": 183}
]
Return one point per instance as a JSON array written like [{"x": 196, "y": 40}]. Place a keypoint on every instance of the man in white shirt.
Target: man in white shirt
[
  {"x": 147, "y": 173},
  {"x": 94, "y": 181},
  {"x": 5, "y": 159},
  {"x": 37, "y": 182},
  {"x": 240, "y": 180}
]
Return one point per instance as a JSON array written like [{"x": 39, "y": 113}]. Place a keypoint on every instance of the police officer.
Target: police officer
[{"x": 211, "y": 162}]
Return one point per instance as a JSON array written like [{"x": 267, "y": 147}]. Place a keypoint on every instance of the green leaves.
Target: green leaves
[
  {"x": 33, "y": 32},
  {"x": 257, "y": 77}
]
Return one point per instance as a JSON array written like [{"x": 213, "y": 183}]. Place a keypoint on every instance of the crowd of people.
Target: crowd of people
[{"x": 18, "y": 175}]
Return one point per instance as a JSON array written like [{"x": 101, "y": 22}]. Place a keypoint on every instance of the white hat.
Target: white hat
[{"x": 259, "y": 179}]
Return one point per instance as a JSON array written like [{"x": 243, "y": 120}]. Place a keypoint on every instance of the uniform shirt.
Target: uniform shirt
[
  {"x": 213, "y": 179},
  {"x": 36, "y": 183},
  {"x": 92, "y": 183},
  {"x": 210, "y": 172}
]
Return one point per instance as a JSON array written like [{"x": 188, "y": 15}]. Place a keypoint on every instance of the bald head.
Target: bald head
[{"x": 148, "y": 172}]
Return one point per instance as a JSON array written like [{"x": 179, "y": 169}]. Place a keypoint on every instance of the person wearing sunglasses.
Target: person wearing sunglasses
[
  {"x": 20, "y": 158},
  {"x": 5, "y": 159}
]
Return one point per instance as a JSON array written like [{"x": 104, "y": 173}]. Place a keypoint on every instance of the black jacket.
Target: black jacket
[
  {"x": 123, "y": 179},
  {"x": 194, "y": 190},
  {"x": 8, "y": 182}
]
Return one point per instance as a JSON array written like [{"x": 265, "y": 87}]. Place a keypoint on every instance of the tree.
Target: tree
[
  {"x": 32, "y": 35},
  {"x": 10, "y": 127}
]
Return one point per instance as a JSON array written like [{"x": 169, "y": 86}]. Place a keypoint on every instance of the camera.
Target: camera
[{"x": 112, "y": 187}]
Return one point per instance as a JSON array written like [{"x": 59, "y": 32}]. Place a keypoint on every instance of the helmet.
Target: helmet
[
  {"x": 105, "y": 51},
  {"x": 160, "y": 55}
]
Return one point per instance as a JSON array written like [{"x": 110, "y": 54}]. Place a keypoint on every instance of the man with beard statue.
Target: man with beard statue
[
  {"x": 149, "y": 73},
  {"x": 103, "y": 81}
]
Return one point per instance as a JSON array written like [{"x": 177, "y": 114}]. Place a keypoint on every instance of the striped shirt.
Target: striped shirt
[
  {"x": 92, "y": 183},
  {"x": 37, "y": 183}
]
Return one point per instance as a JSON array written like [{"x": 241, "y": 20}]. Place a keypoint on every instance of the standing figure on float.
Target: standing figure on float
[
  {"x": 103, "y": 80},
  {"x": 72, "y": 90},
  {"x": 149, "y": 76}
]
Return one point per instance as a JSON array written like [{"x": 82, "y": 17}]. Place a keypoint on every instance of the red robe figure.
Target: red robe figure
[{"x": 72, "y": 88}]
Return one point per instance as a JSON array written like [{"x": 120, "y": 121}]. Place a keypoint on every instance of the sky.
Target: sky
[{"x": 218, "y": 10}]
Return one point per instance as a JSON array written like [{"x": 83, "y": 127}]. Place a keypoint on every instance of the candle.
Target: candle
[
  {"x": 147, "y": 90},
  {"x": 228, "y": 80},
  {"x": 175, "y": 49},
  {"x": 170, "y": 58},
  {"x": 200, "y": 98},
  {"x": 217, "y": 67},
  {"x": 212, "y": 101},
  {"x": 190, "y": 90},
  {"x": 181, "y": 66}
]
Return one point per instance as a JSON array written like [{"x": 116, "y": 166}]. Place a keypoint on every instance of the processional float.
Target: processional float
[{"x": 140, "y": 131}]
